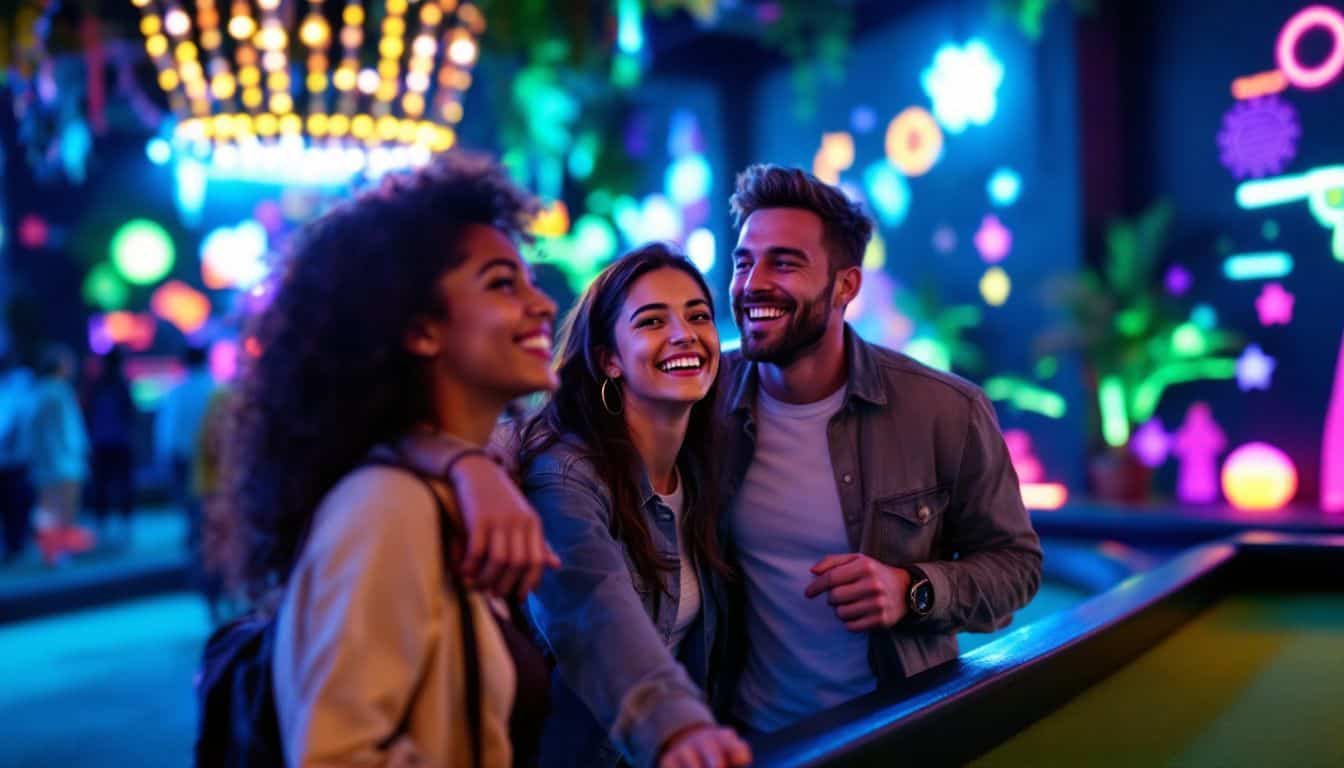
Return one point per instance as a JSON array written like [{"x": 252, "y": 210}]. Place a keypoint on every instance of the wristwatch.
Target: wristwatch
[{"x": 919, "y": 599}]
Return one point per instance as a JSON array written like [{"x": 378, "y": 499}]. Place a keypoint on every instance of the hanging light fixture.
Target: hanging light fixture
[{"x": 312, "y": 91}]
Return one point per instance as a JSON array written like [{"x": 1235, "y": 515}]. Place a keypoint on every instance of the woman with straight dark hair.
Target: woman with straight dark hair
[
  {"x": 618, "y": 464},
  {"x": 404, "y": 323}
]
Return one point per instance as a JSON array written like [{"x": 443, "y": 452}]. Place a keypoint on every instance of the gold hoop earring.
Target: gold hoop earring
[{"x": 602, "y": 395}]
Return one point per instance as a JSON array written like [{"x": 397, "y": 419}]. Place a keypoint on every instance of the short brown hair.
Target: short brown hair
[{"x": 845, "y": 227}]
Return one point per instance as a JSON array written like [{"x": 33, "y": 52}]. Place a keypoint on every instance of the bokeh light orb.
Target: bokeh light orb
[
  {"x": 914, "y": 142},
  {"x": 142, "y": 252},
  {"x": 995, "y": 285},
  {"x": 1258, "y": 477},
  {"x": 104, "y": 289},
  {"x": 701, "y": 248}
]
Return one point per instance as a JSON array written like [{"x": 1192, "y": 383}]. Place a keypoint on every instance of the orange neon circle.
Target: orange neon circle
[{"x": 914, "y": 141}]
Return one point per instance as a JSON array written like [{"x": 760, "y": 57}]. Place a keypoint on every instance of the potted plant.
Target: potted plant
[{"x": 1136, "y": 340}]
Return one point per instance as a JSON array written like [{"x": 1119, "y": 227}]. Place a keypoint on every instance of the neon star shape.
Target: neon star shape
[
  {"x": 1254, "y": 369},
  {"x": 1274, "y": 305}
]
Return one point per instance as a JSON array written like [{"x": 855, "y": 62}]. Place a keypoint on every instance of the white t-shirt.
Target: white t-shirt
[
  {"x": 787, "y": 516},
  {"x": 688, "y": 607}
]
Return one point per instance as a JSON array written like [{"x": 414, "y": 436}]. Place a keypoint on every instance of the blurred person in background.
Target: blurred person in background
[
  {"x": 60, "y": 456},
  {"x": 109, "y": 414},
  {"x": 177, "y": 433},
  {"x": 16, "y": 490},
  {"x": 217, "y": 578}
]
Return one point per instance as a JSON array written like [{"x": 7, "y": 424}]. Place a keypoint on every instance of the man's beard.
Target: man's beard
[{"x": 808, "y": 322}]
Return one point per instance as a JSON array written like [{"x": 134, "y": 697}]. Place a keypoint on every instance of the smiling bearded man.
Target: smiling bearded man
[{"x": 852, "y": 472}]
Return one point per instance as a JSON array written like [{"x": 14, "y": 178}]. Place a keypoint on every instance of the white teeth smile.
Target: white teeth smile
[
  {"x": 764, "y": 313},
  {"x": 680, "y": 363},
  {"x": 537, "y": 343}
]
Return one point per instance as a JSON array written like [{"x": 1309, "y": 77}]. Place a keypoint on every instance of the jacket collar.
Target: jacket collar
[{"x": 863, "y": 378}]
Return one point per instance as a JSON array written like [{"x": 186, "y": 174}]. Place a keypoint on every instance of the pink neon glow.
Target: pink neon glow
[
  {"x": 1319, "y": 76},
  {"x": 1259, "y": 477},
  {"x": 993, "y": 240},
  {"x": 1024, "y": 459},
  {"x": 1274, "y": 305},
  {"x": 224, "y": 359},
  {"x": 1151, "y": 444},
  {"x": 1332, "y": 444},
  {"x": 1198, "y": 443}
]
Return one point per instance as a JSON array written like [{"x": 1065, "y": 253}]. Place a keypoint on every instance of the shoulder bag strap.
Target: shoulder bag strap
[{"x": 470, "y": 660}]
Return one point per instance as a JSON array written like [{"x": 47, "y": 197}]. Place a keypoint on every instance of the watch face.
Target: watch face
[{"x": 923, "y": 597}]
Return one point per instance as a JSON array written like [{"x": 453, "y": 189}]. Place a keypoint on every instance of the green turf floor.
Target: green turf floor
[{"x": 1256, "y": 680}]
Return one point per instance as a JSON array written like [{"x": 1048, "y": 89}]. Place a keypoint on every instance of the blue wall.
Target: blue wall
[{"x": 1189, "y": 63}]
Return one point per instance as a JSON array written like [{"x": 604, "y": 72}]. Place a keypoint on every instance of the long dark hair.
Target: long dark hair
[
  {"x": 575, "y": 410},
  {"x": 329, "y": 378}
]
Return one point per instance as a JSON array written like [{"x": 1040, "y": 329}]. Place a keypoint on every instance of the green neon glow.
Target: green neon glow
[
  {"x": 930, "y": 352},
  {"x": 1338, "y": 243},
  {"x": 142, "y": 252},
  {"x": 1026, "y": 396},
  {"x": 104, "y": 288},
  {"x": 1132, "y": 322},
  {"x": 1261, "y": 265},
  {"x": 1149, "y": 392},
  {"x": 1047, "y": 367},
  {"x": 1188, "y": 340},
  {"x": 1111, "y": 401}
]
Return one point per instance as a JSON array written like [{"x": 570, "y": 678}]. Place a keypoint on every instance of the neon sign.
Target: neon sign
[{"x": 1299, "y": 74}]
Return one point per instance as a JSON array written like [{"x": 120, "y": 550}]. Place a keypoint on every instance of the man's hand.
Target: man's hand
[
  {"x": 865, "y": 593},
  {"x": 506, "y": 549},
  {"x": 705, "y": 746}
]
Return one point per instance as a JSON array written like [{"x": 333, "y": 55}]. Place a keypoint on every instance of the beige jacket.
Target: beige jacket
[{"x": 369, "y": 632}]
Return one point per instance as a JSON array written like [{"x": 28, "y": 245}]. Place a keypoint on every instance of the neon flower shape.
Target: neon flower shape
[
  {"x": 963, "y": 83},
  {"x": 1258, "y": 137}
]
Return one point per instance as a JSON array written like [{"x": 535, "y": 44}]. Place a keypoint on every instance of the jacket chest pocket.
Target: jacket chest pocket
[{"x": 907, "y": 527}]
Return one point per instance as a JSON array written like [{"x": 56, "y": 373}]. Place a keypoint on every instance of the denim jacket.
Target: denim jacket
[
  {"x": 617, "y": 691},
  {"x": 925, "y": 481}
]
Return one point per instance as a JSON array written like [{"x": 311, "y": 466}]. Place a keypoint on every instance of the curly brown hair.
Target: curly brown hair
[{"x": 331, "y": 379}]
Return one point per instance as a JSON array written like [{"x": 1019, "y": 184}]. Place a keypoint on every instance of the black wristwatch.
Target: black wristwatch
[{"x": 919, "y": 599}]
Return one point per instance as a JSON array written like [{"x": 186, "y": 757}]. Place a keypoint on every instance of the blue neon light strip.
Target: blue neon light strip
[{"x": 1261, "y": 265}]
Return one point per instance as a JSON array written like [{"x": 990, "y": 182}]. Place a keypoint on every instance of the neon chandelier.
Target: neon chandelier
[{"x": 365, "y": 86}]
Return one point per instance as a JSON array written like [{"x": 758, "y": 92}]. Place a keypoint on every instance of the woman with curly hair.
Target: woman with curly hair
[
  {"x": 619, "y": 465},
  {"x": 403, "y": 324}
]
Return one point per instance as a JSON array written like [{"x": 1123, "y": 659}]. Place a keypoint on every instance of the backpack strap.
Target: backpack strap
[{"x": 470, "y": 660}]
